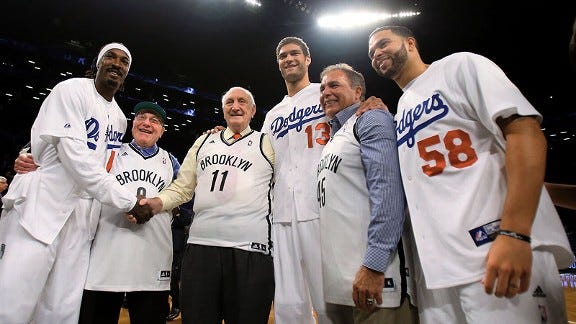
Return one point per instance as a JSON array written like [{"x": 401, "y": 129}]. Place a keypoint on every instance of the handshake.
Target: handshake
[
  {"x": 143, "y": 211},
  {"x": 140, "y": 214}
]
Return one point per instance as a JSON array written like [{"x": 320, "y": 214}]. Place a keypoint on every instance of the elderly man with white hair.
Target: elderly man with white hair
[
  {"x": 50, "y": 215},
  {"x": 227, "y": 268}
]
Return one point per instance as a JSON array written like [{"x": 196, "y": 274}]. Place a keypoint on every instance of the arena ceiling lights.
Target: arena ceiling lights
[
  {"x": 354, "y": 19},
  {"x": 254, "y": 3}
]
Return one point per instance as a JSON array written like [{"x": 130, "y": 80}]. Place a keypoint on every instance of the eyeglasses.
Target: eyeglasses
[{"x": 153, "y": 120}]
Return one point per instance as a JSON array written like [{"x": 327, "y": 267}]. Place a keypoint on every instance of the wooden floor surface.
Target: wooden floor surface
[{"x": 570, "y": 294}]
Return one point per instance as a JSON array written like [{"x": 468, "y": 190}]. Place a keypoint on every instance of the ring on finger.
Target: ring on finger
[{"x": 370, "y": 301}]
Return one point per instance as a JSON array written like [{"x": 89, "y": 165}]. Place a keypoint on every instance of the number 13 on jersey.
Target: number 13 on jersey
[{"x": 319, "y": 134}]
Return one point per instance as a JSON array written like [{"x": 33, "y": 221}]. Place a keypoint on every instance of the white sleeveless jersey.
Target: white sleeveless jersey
[
  {"x": 298, "y": 130},
  {"x": 232, "y": 203},
  {"x": 344, "y": 220},
  {"x": 134, "y": 257},
  {"x": 452, "y": 160},
  {"x": 73, "y": 109}
]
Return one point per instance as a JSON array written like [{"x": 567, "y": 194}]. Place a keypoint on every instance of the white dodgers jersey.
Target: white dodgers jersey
[
  {"x": 74, "y": 109},
  {"x": 344, "y": 218},
  {"x": 134, "y": 257},
  {"x": 232, "y": 203},
  {"x": 452, "y": 159},
  {"x": 298, "y": 130}
]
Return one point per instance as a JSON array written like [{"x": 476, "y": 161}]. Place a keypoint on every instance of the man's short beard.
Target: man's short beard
[
  {"x": 115, "y": 84},
  {"x": 112, "y": 83},
  {"x": 295, "y": 76},
  {"x": 398, "y": 60}
]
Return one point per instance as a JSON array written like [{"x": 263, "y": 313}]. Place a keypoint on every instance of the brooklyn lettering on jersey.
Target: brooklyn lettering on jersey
[
  {"x": 225, "y": 159},
  {"x": 430, "y": 110},
  {"x": 296, "y": 119},
  {"x": 141, "y": 175},
  {"x": 330, "y": 162}
]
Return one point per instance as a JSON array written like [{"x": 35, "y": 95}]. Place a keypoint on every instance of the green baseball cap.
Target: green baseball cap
[{"x": 152, "y": 107}]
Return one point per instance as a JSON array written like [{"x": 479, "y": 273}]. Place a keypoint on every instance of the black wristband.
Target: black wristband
[{"x": 515, "y": 235}]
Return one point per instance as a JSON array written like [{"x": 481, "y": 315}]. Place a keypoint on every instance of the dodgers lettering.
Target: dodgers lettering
[
  {"x": 113, "y": 136},
  {"x": 433, "y": 108},
  {"x": 141, "y": 175},
  {"x": 225, "y": 159},
  {"x": 92, "y": 132},
  {"x": 330, "y": 162},
  {"x": 296, "y": 119}
]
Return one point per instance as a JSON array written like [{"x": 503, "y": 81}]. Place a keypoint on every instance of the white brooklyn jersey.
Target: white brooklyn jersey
[
  {"x": 298, "y": 130},
  {"x": 232, "y": 203},
  {"x": 344, "y": 218},
  {"x": 448, "y": 141},
  {"x": 134, "y": 257}
]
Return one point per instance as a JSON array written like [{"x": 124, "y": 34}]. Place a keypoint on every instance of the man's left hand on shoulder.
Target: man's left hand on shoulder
[{"x": 369, "y": 104}]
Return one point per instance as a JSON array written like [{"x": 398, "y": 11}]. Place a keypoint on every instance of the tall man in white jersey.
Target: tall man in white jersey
[
  {"x": 298, "y": 129},
  {"x": 472, "y": 157},
  {"x": 49, "y": 215}
]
